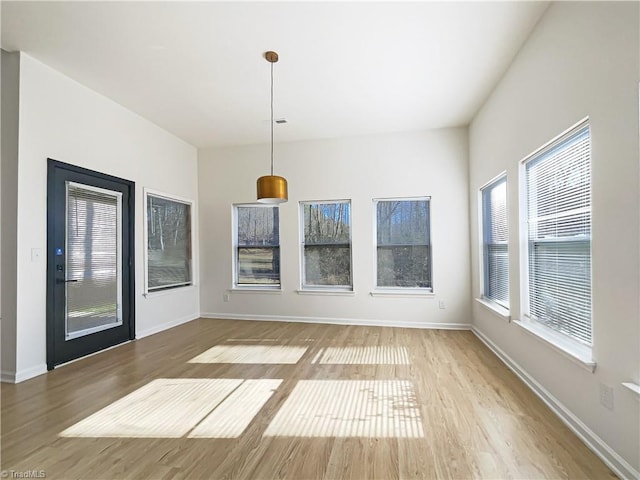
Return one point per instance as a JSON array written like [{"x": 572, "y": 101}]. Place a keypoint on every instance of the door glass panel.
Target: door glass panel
[{"x": 93, "y": 260}]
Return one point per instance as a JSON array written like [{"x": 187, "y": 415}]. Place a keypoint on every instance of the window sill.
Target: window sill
[
  {"x": 168, "y": 291},
  {"x": 579, "y": 354},
  {"x": 634, "y": 387},
  {"x": 497, "y": 310},
  {"x": 403, "y": 293},
  {"x": 341, "y": 293},
  {"x": 260, "y": 290}
]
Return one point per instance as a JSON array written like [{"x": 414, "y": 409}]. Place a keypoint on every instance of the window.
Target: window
[
  {"x": 326, "y": 245},
  {"x": 558, "y": 186},
  {"x": 403, "y": 248},
  {"x": 168, "y": 232},
  {"x": 495, "y": 242},
  {"x": 257, "y": 243}
]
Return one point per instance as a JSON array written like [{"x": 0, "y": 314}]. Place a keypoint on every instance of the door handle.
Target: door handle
[{"x": 59, "y": 280}]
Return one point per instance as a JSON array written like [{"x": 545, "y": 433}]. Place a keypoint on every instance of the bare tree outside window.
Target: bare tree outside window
[
  {"x": 257, "y": 245},
  {"x": 327, "y": 244},
  {"x": 403, "y": 245},
  {"x": 168, "y": 243}
]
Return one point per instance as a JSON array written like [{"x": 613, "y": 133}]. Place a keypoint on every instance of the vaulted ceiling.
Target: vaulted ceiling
[{"x": 346, "y": 68}]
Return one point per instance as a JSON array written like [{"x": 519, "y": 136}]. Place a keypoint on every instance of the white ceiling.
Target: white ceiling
[{"x": 197, "y": 68}]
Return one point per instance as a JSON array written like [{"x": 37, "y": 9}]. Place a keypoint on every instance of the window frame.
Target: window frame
[
  {"x": 235, "y": 270},
  {"x": 484, "y": 218},
  {"x": 402, "y": 291},
  {"x": 304, "y": 287},
  {"x": 192, "y": 269},
  {"x": 575, "y": 348}
]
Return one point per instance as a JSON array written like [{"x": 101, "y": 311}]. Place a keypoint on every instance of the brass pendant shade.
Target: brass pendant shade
[{"x": 272, "y": 189}]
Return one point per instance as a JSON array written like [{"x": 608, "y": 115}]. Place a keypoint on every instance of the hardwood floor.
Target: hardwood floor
[{"x": 351, "y": 403}]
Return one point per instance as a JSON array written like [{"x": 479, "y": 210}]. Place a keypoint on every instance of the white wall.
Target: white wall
[
  {"x": 62, "y": 119},
  {"x": 581, "y": 60},
  {"x": 9, "y": 177},
  {"x": 430, "y": 163}
]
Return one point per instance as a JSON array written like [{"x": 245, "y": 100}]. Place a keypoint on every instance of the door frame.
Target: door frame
[{"x": 129, "y": 292}]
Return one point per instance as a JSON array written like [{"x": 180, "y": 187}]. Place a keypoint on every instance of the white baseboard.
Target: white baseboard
[
  {"x": 614, "y": 461},
  {"x": 22, "y": 375},
  {"x": 165, "y": 326},
  {"x": 339, "y": 321}
]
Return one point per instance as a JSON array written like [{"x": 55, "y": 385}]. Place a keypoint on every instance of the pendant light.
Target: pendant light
[{"x": 272, "y": 188}]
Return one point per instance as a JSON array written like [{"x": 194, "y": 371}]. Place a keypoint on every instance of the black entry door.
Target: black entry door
[{"x": 90, "y": 265}]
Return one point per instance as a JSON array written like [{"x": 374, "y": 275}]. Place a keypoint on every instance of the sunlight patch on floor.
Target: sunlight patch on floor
[
  {"x": 371, "y": 355},
  {"x": 260, "y": 354},
  {"x": 349, "y": 408},
  {"x": 234, "y": 415},
  {"x": 176, "y": 407}
]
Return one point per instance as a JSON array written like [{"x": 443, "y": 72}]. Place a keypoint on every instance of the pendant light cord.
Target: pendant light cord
[{"x": 271, "y": 118}]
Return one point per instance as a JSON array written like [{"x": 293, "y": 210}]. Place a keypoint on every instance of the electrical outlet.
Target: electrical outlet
[
  {"x": 606, "y": 396},
  {"x": 441, "y": 305},
  {"x": 226, "y": 297}
]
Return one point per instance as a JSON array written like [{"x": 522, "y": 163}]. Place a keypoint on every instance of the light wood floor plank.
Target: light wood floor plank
[{"x": 476, "y": 418}]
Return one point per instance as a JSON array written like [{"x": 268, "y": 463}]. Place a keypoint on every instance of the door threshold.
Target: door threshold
[{"x": 94, "y": 353}]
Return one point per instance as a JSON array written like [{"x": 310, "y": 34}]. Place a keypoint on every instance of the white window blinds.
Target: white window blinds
[
  {"x": 94, "y": 259},
  {"x": 558, "y": 181},
  {"x": 496, "y": 242}
]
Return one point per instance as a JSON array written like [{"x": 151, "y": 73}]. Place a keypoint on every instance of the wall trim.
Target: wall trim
[
  {"x": 338, "y": 321},
  {"x": 614, "y": 461},
  {"x": 165, "y": 326},
  {"x": 22, "y": 375}
]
